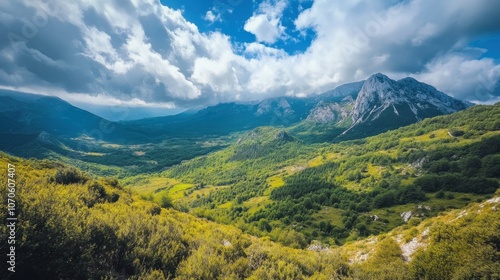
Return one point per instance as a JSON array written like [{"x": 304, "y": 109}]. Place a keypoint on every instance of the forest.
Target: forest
[{"x": 75, "y": 226}]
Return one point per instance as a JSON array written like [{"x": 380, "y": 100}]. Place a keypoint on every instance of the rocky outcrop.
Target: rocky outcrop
[{"x": 406, "y": 216}]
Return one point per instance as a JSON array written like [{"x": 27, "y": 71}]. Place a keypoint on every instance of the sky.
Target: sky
[{"x": 150, "y": 57}]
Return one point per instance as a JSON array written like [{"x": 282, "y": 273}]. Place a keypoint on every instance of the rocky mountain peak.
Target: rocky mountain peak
[
  {"x": 380, "y": 93},
  {"x": 378, "y": 78},
  {"x": 278, "y": 106}
]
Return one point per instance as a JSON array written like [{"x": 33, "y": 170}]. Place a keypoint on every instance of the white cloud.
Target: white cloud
[
  {"x": 479, "y": 79},
  {"x": 154, "y": 55},
  {"x": 99, "y": 49},
  {"x": 358, "y": 38},
  {"x": 212, "y": 17},
  {"x": 101, "y": 99},
  {"x": 266, "y": 23},
  {"x": 424, "y": 33},
  {"x": 260, "y": 50}
]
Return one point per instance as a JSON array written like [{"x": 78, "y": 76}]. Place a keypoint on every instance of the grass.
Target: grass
[
  {"x": 392, "y": 215},
  {"x": 177, "y": 192},
  {"x": 374, "y": 171},
  {"x": 405, "y": 233},
  {"x": 274, "y": 182},
  {"x": 460, "y": 200},
  {"x": 256, "y": 203},
  {"x": 322, "y": 159},
  {"x": 438, "y": 134},
  {"x": 226, "y": 205},
  {"x": 153, "y": 184},
  {"x": 329, "y": 214}
]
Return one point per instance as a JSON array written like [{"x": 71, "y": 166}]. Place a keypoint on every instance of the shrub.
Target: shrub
[
  {"x": 439, "y": 194},
  {"x": 68, "y": 176}
]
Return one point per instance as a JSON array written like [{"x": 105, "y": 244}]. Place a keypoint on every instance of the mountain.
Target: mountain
[
  {"x": 380, "y": 94},
  {"x": 47, "y": 127},
  {"x": 24, "y": 113},
  {"x": 417, "y": 202},
  {"x": 31, "y": 145},
  {"x": 380, "y": 104},
  {"x": 331, "y": 112},
  {"x": 383, "y": 104},
  {"x": 350, "y": 111},
  {"x": 226, "y": 118},
  {"x": 340, "y": 92}
]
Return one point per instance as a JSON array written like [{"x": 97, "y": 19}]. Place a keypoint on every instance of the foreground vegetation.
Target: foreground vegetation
[{"x": 72, "y": 226}]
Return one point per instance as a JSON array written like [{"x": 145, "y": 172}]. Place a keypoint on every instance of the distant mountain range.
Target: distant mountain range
[{"x": 350, "y": 111}]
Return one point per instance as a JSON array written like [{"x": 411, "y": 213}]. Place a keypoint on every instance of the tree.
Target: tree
[{"x": 264, "y": 225}]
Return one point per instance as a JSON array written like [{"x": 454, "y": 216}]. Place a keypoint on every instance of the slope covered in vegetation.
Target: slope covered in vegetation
[
  {"x": 271, "y": 184},
  {"x": 72, "y": 226}
]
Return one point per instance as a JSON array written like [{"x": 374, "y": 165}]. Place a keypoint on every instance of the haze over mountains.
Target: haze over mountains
[
  {"x": 370, "y": 100},
  {"x": 349, "y": 111}
]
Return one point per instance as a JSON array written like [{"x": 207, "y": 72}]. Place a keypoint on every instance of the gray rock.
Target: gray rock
[{"x": 406, "y": 216}]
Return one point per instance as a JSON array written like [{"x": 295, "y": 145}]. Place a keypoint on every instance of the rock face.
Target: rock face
[
  {"x": 328, "y": 112},
  {"x": 341, "y": 92},
  {"x": 375, "y": 217},
  {"x": 406, "y": 98},
  {"x": 384, "y": 104},
  {"x": 318, "y": 247},
  {"x": 279, "y": 107},
  {"x": 424, "y": 207},
  {"x": 417, "y": 243},
  {"x": 379, "y": 104}
]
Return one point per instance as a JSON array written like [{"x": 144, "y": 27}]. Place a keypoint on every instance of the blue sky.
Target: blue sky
[
  {"x": 157, "y": 58},
  {"x": 229, "y": 17}
]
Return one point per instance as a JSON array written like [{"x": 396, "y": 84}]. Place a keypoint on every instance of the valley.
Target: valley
[
  {"x": 333, "y": 192},
  {"x": 356, "y": 183}
]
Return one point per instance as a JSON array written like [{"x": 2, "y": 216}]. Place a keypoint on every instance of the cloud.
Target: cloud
[
  {"x": 142, "y": 53},
  {"x": 358, "y": 38},
  {"x": 266, "y": 23},
  {"x": 212, "y": 17},
  {"x": 101, "y": 47},
  {"x": 479, "y": 78}
]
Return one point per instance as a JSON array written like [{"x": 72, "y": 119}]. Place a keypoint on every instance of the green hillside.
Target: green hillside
[
  {"x": 272, "y": 184},
  {"x": 71, "y": 226}
]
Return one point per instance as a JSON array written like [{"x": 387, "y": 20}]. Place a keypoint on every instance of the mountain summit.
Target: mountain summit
[
  {"x": 384, "y": 104},
  {"x": 374, "y": 106},
  {"x": 379, "y": 94}
]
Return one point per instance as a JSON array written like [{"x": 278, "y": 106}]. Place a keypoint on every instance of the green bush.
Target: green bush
[{"x": 70, "y": 175}]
